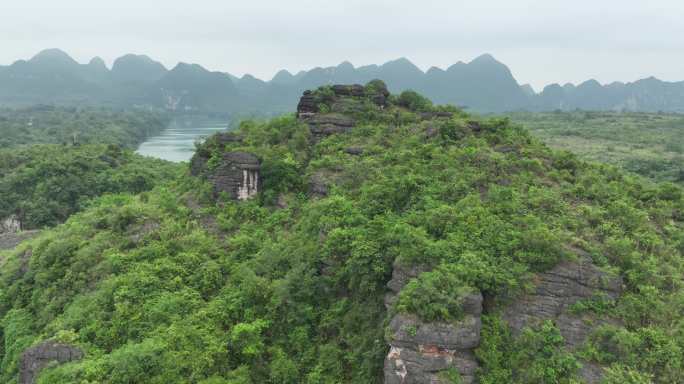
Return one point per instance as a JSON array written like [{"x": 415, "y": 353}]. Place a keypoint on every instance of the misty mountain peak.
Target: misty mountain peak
[
  {"x": 97, "y": 63},
  {"x": 485, "y": 59},
  {"x": 402, "y": 63},
  {"x": 53, "y": 56},
  {"x": 345, "y": 65},
  {"x": 528, "y": 90},
  {"x": 137, "y": 68},
  {"x": 283, "y": 76}
]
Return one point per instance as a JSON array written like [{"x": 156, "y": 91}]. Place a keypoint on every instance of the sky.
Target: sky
[{"x": 542, "y": 41}]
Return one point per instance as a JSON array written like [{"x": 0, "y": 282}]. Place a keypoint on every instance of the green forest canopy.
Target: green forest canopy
[{"x": 170, "y": 286}]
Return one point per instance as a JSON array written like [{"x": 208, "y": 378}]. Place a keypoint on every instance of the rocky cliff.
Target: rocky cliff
[{"x": 425, "y": 353}]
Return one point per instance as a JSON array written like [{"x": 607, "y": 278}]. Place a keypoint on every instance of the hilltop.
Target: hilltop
[
  {"x": 368, "y": 238},
  {"x": 483, "y": 85}
]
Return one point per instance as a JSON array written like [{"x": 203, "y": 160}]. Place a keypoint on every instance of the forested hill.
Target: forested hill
[
  {"x": 483, "y": 85},
  {"x": 370, "y": 238},
  {"x": 46, "y": 124},
  {"x": 53, "y": 160}
]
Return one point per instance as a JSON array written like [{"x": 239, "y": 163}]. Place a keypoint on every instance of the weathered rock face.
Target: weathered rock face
[
  {"x": 420, "y": 352},
  {"x": 344, "y": 99},
  {"x": 34, "y": 359},
  {"x": 11, "y": 224},
  {"x": 237, "y": 175},
  {"x": 307, "y": 105},
  {"x": 324, "y": 125},
  {"x": 557, "y": 290}
]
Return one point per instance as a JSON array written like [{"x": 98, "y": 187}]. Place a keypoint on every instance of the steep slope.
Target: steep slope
[{"x": 375, "y": 238}]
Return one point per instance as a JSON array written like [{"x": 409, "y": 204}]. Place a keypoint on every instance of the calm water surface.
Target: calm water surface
[{"x": 177, "y": 142}]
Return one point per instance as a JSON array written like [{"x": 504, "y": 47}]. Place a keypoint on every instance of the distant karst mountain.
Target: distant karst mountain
[{"x": 482, "y": 85}]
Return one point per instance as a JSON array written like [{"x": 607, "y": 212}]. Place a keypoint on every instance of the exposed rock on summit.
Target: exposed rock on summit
[{"x": 327, "y": 113}]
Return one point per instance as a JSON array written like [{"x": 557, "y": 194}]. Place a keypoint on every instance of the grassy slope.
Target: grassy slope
[{"x": 295, "y": 295}]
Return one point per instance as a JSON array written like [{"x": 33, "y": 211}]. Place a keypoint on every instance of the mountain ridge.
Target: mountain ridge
[{"x": 483, "y": 84}]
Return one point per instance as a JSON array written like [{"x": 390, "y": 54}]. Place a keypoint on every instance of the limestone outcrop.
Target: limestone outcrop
[
  {"x": 236, "y": 173},
  {"x": 422, "y": 352},
  {"x": 328, "y": 113},
  {"x": 555, "y": 292},
  {"x": 34, "y": 359},
  {"x": 324, "y": 125}
]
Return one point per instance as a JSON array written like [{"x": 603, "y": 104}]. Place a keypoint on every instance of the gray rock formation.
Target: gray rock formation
[
  {"x": 237, "y": 175},
  {"x": 307, "y": 105},
  {"x": 422, "y": 353},
  {"x": 343, "y": 100},
  {"x": 557, "y": 290},
  {"x": 34, "y": 359},
  {"x": 324, "y": 125}
]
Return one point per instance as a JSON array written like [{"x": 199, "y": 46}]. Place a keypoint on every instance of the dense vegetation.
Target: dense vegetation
[
  {"x": 651, "y": 144},
  {"x": 60, "y": 125},
  {"x": 42, "y": 185},
  {"x": 172, "y": 287}
]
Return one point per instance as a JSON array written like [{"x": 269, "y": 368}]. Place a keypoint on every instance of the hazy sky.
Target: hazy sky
[{"x": 542, "y": 41}]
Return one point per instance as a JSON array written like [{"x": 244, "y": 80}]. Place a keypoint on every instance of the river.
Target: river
[{"x": 177, "y": 142}]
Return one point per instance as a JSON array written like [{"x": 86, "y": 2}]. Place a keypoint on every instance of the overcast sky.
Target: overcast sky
[{"x": 542, "y": 41}]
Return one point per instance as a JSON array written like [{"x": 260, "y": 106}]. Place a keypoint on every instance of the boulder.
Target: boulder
[{"x": 34, "y": 359}]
